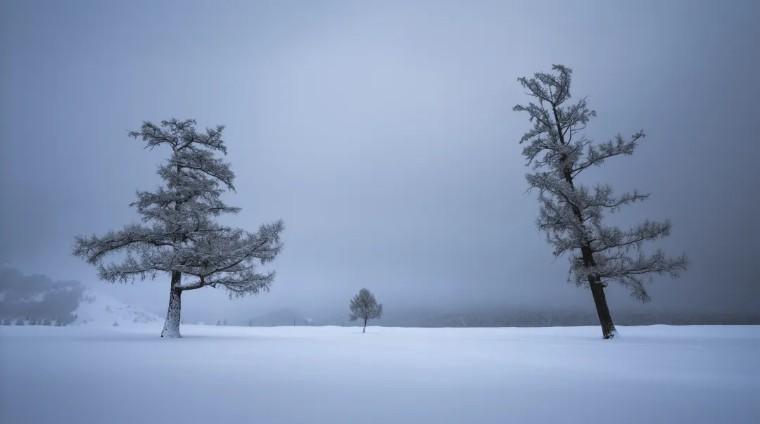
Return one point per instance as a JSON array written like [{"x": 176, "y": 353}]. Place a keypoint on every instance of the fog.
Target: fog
[{"x": 383, "y": 135}]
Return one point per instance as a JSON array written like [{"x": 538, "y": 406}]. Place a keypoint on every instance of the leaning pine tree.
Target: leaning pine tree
[
  {"x": 179, "y": 235},
  {"x": 572, "y": 215}
]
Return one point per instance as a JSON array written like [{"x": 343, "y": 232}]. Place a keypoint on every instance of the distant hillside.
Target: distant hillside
[
  {"x": 37, "y": 299},
  {"x": 101, "y": 309}
]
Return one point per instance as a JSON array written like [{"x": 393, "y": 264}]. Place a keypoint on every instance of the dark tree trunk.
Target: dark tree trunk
[
  {"x": 602, "y": 311},
  {"x": 597, "y": 288},
  {"x": 364, "y": 330},
  {"x": 171, "y": 325},
  {"x": 600, "y": 300}
]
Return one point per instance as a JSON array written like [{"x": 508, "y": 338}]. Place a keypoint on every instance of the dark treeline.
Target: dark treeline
[
  {"x": 36, "y": 299},
  {"x": 534, "y": 318},
  {"x": 500, "y": 317}
]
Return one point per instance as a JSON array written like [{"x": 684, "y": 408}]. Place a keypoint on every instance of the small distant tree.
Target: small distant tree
[
  {"x": 179, "y": 235},
  {"x": 572, "y": 214},
  {"x": 365, "y": 307}
]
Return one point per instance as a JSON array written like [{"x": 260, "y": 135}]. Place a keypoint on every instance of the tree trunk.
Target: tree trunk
[
  {"x": 364, "y": 330},
  {"x": 602, "y": 311},
  {"x": 171, "y": 325},
  {"x": 600, "y": 300},
  {"x": 597, "y": 288}
]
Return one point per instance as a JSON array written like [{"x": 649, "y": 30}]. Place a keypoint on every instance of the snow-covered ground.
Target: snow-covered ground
[{"x": 126, "y": 374}]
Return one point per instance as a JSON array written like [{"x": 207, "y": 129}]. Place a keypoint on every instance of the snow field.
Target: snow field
[{"x": 127, "y": 374}]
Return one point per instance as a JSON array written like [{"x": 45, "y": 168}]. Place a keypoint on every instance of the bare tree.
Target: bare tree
[
  {"x": 178, "y": 234},
  {"x": 365, "y": 307},
  {"x": 572, "y": 215}
]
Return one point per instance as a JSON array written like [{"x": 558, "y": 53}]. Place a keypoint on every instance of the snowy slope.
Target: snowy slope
[
  {"x": 97, "y": 308},
  {"x": 126, "y": 374}
]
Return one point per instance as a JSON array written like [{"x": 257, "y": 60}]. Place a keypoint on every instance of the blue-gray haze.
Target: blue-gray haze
[{"x": 383, "y": 134}]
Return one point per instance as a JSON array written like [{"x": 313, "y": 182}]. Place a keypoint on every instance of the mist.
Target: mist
[{"x": 383, "y": 135}]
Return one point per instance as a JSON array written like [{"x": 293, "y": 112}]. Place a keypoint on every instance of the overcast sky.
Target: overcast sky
[{"x": 382, "y": 133}]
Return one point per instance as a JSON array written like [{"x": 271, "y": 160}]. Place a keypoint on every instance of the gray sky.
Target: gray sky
[{"x": 383, "y": 134}]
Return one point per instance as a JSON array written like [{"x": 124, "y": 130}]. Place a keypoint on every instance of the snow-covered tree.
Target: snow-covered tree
[
  {"x": 179, "y": 235},
  {"x": 572, "y": 214},
  {"x": 365, "y": 307}
]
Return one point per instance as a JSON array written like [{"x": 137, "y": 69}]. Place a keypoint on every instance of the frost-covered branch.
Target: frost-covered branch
[
  {"x": 632, "y": 272},
  {"x": 179, "y": 134},
  {"x": 229, "y": 259},
  {"x": 94, "y": 248},
  {"x": 614, "y": 238},
  {"x": 597, "y": 154}
]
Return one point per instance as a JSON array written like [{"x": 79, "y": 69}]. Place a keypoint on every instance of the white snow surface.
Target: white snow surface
[{"x": 127, "y": 374}]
